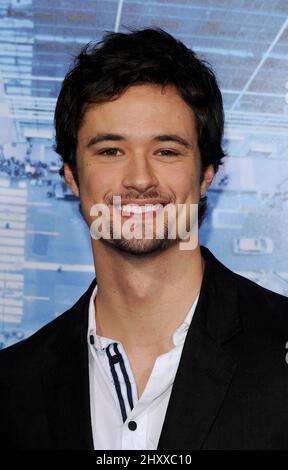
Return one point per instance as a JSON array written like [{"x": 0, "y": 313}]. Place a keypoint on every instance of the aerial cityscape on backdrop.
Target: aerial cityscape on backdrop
[{"x": 45, "y": 253}]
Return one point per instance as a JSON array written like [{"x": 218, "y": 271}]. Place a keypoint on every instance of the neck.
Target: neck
[{"x": 142, "y": 300}]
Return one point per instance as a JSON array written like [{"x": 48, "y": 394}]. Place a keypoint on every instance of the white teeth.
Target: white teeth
[{"x": 137, "y": 209}]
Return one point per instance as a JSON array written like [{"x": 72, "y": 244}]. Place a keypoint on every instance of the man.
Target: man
[{"x": 170, "y": 349}]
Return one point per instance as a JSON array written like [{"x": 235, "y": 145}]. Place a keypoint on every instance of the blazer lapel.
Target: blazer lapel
[
  {"x": 205, "y": 369},
  {"x": 66, "y": 381}
]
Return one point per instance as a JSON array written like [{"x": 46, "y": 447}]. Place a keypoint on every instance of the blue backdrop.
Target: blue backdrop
[{"x": 45, "y": 258}]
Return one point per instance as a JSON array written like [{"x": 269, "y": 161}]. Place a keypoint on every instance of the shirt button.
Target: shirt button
[
  {"x": 115, "y": 359},
  {"x": 132, "y": 425}
]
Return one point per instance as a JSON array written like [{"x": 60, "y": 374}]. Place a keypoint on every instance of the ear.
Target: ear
[
  {"x": 208, "y": 176},
  {"x": 70, "y": 180}
]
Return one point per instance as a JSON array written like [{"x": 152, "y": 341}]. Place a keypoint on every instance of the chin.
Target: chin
[{"x": 140, "y": 247}]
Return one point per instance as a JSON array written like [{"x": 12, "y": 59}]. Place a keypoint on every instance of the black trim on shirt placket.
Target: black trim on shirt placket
[
  {"x": 116, "y": 383},
  {"x": 126, "y": 377}
]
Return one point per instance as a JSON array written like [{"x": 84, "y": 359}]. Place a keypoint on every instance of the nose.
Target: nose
[{"x": 140, "y": 175}]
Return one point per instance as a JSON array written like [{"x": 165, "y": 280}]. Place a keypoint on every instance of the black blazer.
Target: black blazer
[{"x": 230, "y": 391}]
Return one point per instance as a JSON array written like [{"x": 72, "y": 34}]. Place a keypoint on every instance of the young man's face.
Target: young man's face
[{"x": 139, "y": 161}]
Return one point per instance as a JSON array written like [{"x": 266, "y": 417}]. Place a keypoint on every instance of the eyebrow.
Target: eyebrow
[
  {"x": 103, "y": 137},
  {"x": 172, "y": 138},
  {"x": 158, "y": 138}
]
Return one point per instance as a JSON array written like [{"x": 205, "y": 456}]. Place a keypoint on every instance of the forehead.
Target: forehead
[{"x": 141, "y": 109}]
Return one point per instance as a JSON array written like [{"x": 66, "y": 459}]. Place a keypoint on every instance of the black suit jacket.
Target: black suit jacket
[{"x": 230, "y": 391}]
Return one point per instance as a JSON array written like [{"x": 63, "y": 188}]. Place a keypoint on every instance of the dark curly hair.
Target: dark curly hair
[{"x": 102, "y": 71}]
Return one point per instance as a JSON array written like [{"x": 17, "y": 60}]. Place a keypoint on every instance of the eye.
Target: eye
[
  {"x": 169, "y": 153},
  {"x": 111, "y": 152}
]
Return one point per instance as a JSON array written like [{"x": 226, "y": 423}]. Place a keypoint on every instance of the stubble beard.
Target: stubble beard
[{"x": 141, "y": 246}]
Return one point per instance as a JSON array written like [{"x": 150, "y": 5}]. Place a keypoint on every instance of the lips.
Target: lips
[
  {"x": 142, "y": 202},
  {"x": 141, "y": 208}
]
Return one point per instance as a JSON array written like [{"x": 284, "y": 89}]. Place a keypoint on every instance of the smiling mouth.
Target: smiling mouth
[
  {"x": 135, "y": 210},
  {"x": 140, "y": 209}
]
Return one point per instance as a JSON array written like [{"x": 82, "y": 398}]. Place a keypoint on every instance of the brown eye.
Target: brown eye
[
  {"x": 169, "y": 153},
  {"x": 109, "y": 152}
]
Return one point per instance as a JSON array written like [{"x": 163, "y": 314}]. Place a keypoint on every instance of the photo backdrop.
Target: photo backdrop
[{"x": 45, "y": 255}]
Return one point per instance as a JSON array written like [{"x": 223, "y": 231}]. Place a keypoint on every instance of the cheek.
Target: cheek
[
  {"x": 95, "y": 183},
  {"x": 91, "y": 190},
  {"x": 184, "y": 183}
]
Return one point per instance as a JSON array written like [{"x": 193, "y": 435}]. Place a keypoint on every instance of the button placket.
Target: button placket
[{"x": 136, "y": 437}]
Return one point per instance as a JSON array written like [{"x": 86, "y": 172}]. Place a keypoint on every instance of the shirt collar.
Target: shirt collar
[{"x": 101, "y": 343}]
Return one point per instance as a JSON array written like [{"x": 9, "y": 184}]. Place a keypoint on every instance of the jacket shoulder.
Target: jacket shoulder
[
  {"x": 253, "y": 292},
  {"x": 261, "y": 309},
  {"x": 250, "y": 292},
  {"x": 29, "y": 353}
]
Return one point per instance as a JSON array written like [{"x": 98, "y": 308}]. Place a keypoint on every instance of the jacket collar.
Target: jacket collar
[
  {"x": 218, "y": 300},
  {"x": 206, "y": 368},
  {"x": 66, "y": 380}
]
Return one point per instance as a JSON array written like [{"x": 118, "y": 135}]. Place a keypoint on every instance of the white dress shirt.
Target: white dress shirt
[{"x": 120, "y": 420}]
